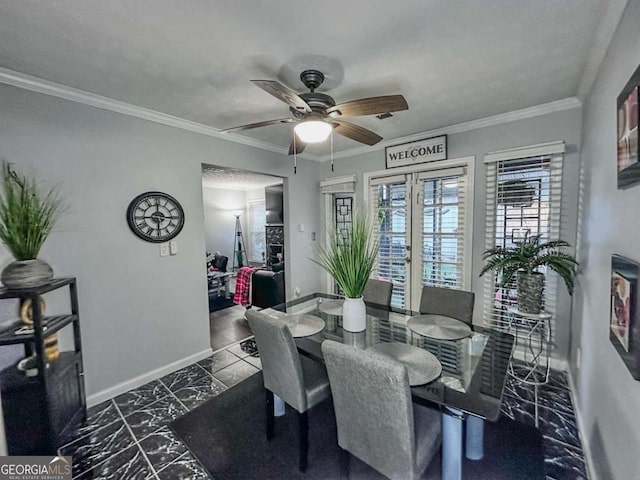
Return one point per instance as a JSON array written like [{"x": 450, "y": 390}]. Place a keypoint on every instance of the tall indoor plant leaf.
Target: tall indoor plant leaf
[{"x": 350, "y": 256}]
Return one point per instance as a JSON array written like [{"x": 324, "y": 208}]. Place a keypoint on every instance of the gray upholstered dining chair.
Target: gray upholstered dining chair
[
  {"x": 377, "y": 421},
  {"x": 299, "y": 381},
  {"x": 378, "y": 291},
  {"x": 452, "y": 303}
]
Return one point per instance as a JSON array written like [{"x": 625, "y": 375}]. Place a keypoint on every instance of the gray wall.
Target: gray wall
[
  {"x": 220, "y": 206},
  {"x": 139, "y": 311},
  {"x": 564, "y": 125},
  {"x": 607, "y": 396}
]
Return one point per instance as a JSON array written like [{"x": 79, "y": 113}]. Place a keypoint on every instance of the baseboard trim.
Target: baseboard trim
[
  {"x": 140, "y": 380},
  {"x": 586, "y": 448}
]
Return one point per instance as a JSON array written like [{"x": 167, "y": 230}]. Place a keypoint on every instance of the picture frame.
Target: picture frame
[
  {"x": 628, "y": 119},
  {"x": 624, "y": 317}
]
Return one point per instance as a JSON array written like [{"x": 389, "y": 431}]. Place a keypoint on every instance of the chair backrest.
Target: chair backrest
[
  {"x": 281, "y": 367},
  {"x": 374, "y": 413},
  {"x": 220, "y": 262},
  {"x": 452, "y": 303},
  {"x": 378, "y": 291}
]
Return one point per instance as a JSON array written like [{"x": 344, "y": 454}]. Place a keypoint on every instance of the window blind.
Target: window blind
[
  {"x": 524, "y": 198},
  {"x": 390, "y": 207},
  {"x": 441, "y": 199}
]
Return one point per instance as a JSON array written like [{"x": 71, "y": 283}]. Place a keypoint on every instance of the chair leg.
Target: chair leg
[
  {"x": 303, "y": 421},
  {"x": 345, "y": 458},
  {"x": 269, "y": 412}
]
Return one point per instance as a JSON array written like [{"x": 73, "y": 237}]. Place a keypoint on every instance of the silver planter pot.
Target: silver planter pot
[
  {"x": 530, "y": 291},
  {"x": 26, "y": 273}
]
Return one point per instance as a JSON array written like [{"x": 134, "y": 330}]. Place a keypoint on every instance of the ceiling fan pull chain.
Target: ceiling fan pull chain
[
  {"x": 332, "y": 149},
  {"x": 295, "y": 155}
]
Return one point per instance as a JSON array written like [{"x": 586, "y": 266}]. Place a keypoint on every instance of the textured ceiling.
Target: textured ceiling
[
  {"x": 232, "y": 179},
  {"x": 454, "y": 61}
]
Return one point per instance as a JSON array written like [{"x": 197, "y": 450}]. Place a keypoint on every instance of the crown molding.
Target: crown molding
[
  {"x": 35, "y": 84},
  {"x": 605, "y": 30},
  {"x": 39, "y": 85},
  {"x": 543, "y": 109}
]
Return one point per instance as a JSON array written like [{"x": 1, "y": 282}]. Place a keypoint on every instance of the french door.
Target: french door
[{"x": 423, "y": 235}]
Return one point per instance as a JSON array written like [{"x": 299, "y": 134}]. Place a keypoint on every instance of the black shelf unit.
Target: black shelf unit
[{"x": 41, "y": 411}]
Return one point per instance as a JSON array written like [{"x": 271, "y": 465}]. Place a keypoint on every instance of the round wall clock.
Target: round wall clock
[{"x": 155, "y": 217}]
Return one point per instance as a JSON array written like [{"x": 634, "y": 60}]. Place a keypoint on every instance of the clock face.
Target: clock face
[{"x": 155, "y": 217}]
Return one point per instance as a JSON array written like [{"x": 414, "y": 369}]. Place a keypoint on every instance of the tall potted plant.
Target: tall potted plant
[
  {"x": 523, "y": 260},
  {"x": 349, "y": 257},
  {"x": 27, "y": 217}
]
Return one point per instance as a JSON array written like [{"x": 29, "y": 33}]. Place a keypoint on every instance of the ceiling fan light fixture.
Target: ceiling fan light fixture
[{"x": 312, "y": 131}]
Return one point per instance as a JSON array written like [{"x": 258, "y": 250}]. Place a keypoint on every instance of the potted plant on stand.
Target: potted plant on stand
[
  {"x": 26, "y": 218},
  {"x": 349, "y": 257},
  {"x": 523, "y": 259}
]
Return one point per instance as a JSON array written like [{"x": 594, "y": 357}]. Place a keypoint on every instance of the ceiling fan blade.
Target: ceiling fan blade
[
  {"x": 370, "y": 106},
  {"x": 355, "y": 132},
  {"x": 257, "y": 124},
  {"x": 300, "y": 145},
  {"x": 283, "y": 93}
]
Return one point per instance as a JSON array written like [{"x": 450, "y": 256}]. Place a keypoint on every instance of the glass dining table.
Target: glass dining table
[{"x": 474, "y": 368}]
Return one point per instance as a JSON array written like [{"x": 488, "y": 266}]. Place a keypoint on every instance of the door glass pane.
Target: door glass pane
[
  {"x": 390, "y": 205},
  {"x": 442, "y": 238}
]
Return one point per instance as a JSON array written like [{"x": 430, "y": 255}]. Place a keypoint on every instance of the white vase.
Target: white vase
[{"x": 354, "y": 315}]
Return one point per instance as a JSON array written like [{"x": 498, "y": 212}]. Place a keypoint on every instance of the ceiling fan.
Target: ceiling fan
[{"x": 316, "y": 114}]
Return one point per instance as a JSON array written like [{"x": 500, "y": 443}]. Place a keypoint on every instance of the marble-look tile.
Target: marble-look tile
[
  {"x": 237, "y": 350},
  {"x": 193, "y": 395},
  {"x": 563, "y": 462},
  {"x": 162, "y": 447},
  {"x": 255, "y": 361},
  {"x": 558, "y": 379},
  {"x": 559, "y": 426},
  {"x": 129, "y": 464},
  {"x": 554, "y": 424},
  {"x": 140, "y": 397},
  {"x": 98, "y": 416},
  {"x": 218, "y": 361},
  {"x": 153, "y": 416},
  {"x": 99, "y": 445},
  {"x": 182, "y": 378},
  {"x": 235, "y": 373},
  {"x": 185, "y": 468}
]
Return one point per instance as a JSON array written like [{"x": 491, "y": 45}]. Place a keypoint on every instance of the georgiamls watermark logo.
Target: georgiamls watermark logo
[{"x": 35, "y": 468}]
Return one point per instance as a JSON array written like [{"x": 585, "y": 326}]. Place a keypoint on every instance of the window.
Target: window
[
  {"x": 257, "y": 221},
  {"x": 524, "y": 193}
]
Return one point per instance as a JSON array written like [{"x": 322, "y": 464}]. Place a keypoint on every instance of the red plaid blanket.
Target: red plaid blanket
[{"x": 243, "y": 286}]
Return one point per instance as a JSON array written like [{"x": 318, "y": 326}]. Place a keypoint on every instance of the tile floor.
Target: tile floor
[{"x": 127, "y": 437}]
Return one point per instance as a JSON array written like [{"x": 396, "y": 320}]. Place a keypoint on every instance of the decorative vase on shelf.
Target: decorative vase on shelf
[
  {"x": 354, "y": 315},
  {"x": 26, "y": 273}
]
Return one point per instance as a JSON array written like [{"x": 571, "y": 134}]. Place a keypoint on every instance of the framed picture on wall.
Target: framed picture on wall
[
  {"x": 628, "y": 153},
  {"x": 624, "y": 319}
]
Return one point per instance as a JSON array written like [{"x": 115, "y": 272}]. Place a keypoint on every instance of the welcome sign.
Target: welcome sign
[{"x": 420, "y": 151}]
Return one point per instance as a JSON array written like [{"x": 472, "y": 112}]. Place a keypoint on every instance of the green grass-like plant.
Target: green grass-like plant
[
  {"x": 527, "y": 256},
  {"x": 350, "y": 258},
  {"x": 26, "y": 215}
]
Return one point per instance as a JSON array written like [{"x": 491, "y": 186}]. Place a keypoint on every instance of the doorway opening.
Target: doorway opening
[{"x": 244, "y": 241}]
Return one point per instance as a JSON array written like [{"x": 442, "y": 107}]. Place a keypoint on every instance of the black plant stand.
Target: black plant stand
[{"x": 40, "y": 411}]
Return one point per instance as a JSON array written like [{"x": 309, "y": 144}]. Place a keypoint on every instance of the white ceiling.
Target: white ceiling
[
  {"x": 233, "y": 179},
  {"x": 454, "y": 61}
]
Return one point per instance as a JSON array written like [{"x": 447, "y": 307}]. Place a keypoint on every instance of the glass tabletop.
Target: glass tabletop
[{"x": 474, "y": 368}]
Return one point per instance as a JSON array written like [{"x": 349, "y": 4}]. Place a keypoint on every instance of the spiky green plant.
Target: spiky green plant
[
  {"x": 350, "y": 256},
  {"x": 527, "y": 256},
  {"x": 26, "y": 215}
]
